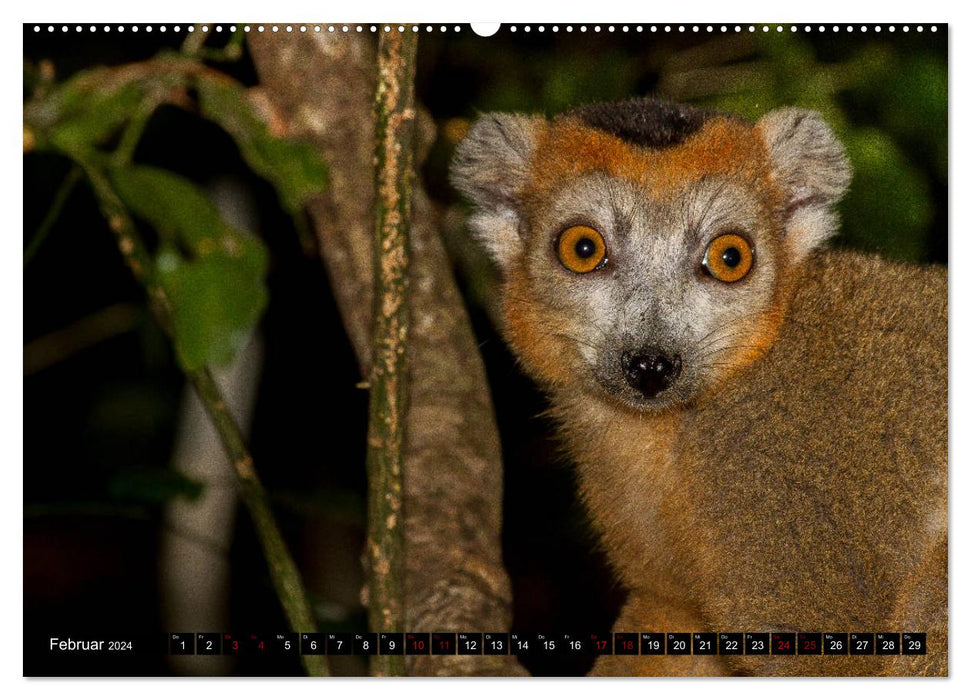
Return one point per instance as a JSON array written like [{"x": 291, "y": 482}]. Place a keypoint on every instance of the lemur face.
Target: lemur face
[
  {"x": 647, "y": 247},
  {"x": 647, "y": 296}
]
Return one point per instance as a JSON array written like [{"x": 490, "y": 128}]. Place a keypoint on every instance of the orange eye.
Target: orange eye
[
  {"x": 581, "y": 249},
  {"x": 728, "y": 258}
]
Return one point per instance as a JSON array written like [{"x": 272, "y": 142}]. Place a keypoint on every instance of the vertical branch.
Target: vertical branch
[
  {"x": 394, "y": 137},
  {"x": 283, "y": 571}
]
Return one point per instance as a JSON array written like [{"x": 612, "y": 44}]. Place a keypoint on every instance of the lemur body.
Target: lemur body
[{"x": 759, "y": 426}]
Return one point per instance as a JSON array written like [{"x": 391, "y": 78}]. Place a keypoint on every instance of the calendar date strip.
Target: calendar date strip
[{"x": 502, "y": 643}]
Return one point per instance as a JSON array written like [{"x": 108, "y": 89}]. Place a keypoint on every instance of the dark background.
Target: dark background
[{"x": 99, "y": 422}]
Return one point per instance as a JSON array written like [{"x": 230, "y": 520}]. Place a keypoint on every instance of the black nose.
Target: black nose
[{"x": 650, "y": 370}]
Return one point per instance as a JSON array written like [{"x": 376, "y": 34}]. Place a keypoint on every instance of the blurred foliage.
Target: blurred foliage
[
  {"x": 295, "y": 169},
  {"x": 213, "y": 274},
  {"x": 885, "y": 96}
]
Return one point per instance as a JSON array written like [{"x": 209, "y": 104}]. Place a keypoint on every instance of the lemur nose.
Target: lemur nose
[{"x": 650, "y": 370}]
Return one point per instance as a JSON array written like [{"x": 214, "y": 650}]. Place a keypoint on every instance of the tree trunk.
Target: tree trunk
[{"x": 321, "y": 87}]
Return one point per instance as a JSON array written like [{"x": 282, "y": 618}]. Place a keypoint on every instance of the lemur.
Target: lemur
[{"x": 759, "y": 423}]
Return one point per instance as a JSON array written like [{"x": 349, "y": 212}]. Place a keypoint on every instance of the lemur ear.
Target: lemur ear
[
  {"x": 490, "y": 167},
  {"x": 810, "y": 165}
]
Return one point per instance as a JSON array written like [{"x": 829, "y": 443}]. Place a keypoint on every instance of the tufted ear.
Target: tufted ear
[
  {"x": 810, "y": 165},
  {"x": 490, "y": 167}
]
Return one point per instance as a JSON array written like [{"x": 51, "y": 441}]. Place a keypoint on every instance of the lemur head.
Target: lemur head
[{"x": 647, "y": 248}]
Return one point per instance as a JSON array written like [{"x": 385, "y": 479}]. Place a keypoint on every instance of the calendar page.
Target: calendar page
[{"x": 485, "y": 350}]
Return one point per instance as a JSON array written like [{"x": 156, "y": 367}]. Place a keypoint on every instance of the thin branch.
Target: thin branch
[
  {"x": 394, "y": 137},
  {"x": 132, "y": 134},
  {"x": 194, "y": 42},
  {"x": 40, "y": 112},
  {"x": 230, "y": 53},
  {"x": 59, "y": 345},
  {"x": 60, "y": 199},
  {"x": 283, "y": 571},
  {"x": 194, "y": 46}
]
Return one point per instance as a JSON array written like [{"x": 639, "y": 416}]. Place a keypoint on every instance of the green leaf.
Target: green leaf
[
  {"x": 295, "y": 169},
  {"x": 217, "y": 300},
  {"x": 213, "y": 275},
  {"x": 173, "y": 205}
]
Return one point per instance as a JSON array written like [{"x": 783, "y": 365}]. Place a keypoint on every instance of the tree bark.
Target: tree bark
[
  {"x": 395, "y": 145},
  {"x": 320, "y": 87}
]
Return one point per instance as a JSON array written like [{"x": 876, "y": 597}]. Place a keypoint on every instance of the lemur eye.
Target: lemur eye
[
  {"x": 581, "y": 249},
  {"x": 728, "y": 258}
]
